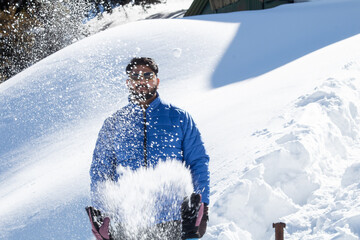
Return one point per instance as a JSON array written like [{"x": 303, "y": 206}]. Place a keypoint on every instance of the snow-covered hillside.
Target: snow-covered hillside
[
  {"x": 274, "y": 92},
  {"x": 130, "y": 13}
]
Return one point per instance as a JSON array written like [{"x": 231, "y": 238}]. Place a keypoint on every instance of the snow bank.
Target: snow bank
[
  {"x": 305, "y": 171},
  {"x": 131, "y": 13}
]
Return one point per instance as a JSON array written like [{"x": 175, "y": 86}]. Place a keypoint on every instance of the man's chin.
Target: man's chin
[{"x": 142, "y": 96}]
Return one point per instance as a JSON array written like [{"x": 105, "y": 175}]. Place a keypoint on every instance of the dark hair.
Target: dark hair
[{"x": 149, "y": 62}]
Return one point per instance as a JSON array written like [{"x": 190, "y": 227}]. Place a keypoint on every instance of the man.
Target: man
[{"x": 141, "y": 134}]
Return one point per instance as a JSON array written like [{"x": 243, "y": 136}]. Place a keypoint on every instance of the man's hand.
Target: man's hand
[
  {"x": 100, "y": 225},
  {"x": 194, "y": 215}
]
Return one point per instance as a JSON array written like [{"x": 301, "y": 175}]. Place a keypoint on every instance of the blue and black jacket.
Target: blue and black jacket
[{"x": 134, "y": 137}]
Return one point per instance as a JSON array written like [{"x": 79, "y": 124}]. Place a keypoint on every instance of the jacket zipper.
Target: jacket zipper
[{"x": 145, "y": 139}]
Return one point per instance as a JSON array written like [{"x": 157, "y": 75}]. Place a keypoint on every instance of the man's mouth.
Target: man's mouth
[{"x": 142, "y": 88}]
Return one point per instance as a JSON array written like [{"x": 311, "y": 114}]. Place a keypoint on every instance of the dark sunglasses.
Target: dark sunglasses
[{"x": 143, "y": 75}]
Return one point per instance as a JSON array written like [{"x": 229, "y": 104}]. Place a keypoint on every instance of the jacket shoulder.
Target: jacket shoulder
[
  {"x": 118, "y": 115},
  {"x": 173, "y": 110}
]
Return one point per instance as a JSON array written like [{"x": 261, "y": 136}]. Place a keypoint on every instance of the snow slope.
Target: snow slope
[
  {"x": 130, "y": 13},
  {"x": 275, "y": 94}
]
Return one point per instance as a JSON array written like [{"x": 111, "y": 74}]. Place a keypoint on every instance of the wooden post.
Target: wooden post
[{"x": 279, "y": 230}]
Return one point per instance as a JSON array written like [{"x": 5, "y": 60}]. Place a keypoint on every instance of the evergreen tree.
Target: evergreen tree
[
  {"x": 30, "y": 30},
  {"x": 33, "y": 29}
]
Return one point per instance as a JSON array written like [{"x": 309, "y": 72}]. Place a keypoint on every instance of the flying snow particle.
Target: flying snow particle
[{"x": 177, "y": 52}]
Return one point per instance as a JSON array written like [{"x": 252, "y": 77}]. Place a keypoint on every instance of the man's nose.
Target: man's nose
[{"x": 142, "y": 80}]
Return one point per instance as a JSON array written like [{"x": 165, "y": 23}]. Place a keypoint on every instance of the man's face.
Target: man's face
[{"x": 142, "y": 82}]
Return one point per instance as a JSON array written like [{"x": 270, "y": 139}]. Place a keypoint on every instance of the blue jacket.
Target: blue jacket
[{"x": 133, "y": 137}]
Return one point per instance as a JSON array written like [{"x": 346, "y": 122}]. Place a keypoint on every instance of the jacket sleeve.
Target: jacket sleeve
[
  {"x": 102, "y": 166},
  {"x": 196, "y": 158}
]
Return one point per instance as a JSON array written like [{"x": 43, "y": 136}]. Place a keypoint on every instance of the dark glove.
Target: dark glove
[
  {"x": 100, "y": 225},
  {"x": 194, "y": 215}
]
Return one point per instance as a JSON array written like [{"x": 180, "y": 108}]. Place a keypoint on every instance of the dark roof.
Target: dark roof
[
  {"x": 217, "y": 4},
  {"x": 196, "y": 7},
  {"x": 199, "y": 7}
]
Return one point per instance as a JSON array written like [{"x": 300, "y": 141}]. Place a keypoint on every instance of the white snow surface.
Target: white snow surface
[
  {"x": 130, "y": 13},
  {"x": 275, "y": 94}
]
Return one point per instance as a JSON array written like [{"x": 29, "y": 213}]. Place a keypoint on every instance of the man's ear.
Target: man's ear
[{"x": 158, "y": 81}]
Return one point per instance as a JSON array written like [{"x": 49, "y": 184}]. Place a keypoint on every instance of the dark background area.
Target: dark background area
[{"x": 31, "y": 30}]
